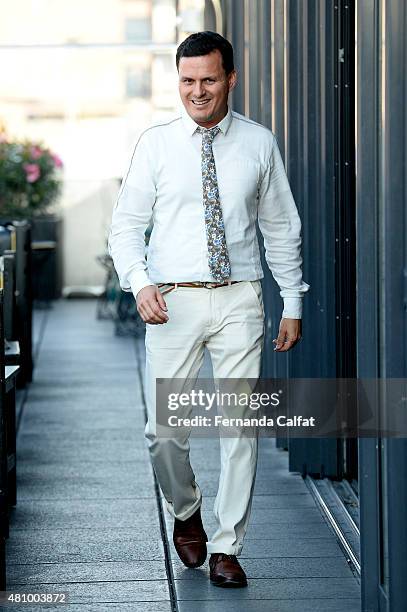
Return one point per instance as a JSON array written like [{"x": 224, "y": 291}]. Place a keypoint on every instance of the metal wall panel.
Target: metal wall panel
[
  {"x": 297, "y": 86},
  {"x": 300, "y": 68},
  {"x": 310, "y": 167},
  {"x": 367, "y": 307},
  {"x": 381, "y": 239},
  {"x": 381, "y": 338},
  {"x": 291, "y": 89}
]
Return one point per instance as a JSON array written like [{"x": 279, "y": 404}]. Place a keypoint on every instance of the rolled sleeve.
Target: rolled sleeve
[
  {"x": 280, "y": 225},
  {"x": 131, "y": 215}
]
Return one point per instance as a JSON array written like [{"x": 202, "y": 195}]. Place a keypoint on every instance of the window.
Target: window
[
  {"x": 137, "y": 29},
  {"x": 138, "y": 82}
]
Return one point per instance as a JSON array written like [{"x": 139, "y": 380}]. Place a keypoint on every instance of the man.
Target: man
[{"x": 204, "y": 177}]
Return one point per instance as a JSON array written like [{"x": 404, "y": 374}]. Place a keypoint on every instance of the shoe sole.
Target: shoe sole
[
  {"x": 229, "y": 584},
  {"x": 194, "y": 565}
]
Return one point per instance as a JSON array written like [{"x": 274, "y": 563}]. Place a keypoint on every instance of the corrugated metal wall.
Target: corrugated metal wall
[
  {"x": 381, "y": 222},
  {"x": 284, "y": 56},
  {"x": 296, "y": 61},
  {"x": 287, "y": 59}
]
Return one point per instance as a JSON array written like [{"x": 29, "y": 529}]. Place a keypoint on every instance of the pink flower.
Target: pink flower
[
  {"x": 33, "y": 172},
  {"x": 35, "y": 152},
  {"x": 57, "y": 160}
]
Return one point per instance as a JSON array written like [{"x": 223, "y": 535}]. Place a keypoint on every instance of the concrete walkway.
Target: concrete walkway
[{"x": 90, "y": 521}]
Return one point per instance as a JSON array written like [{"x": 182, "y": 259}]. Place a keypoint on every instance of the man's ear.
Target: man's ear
[{"x": 232, "y": 79}]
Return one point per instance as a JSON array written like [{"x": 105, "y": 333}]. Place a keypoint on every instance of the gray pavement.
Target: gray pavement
[{"x": 89, "y": 521}]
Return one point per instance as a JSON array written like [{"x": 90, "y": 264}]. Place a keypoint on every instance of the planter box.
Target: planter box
[{"x": 47, "y": 271}]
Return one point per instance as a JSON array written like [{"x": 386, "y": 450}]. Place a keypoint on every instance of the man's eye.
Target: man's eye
[{"x": 209, "y": 80}]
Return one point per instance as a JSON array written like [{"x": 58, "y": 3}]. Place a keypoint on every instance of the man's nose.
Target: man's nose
[{"x": 199, "y": 89}]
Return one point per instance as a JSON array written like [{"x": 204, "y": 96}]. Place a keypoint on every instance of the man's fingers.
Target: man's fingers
[
  {"x": 158, "y": 312},
  {"x": 284, "y": 342},
  {"x": 280, "y": 340},
  {"x": 151, "y": 305},
  {"x": 154, "y": 314},
  {"x": 161, "y": 301},
  {"x": 151, "y": 312},
  {"x": 289, "y": 334},
  {"x": 286, "y": 346},
  {"x": 148, "y": 315}
]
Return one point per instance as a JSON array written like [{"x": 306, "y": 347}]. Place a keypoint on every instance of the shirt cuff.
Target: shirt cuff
[
  {"x": 138, "y": 280},
  {"x": 292, "y": 308}
]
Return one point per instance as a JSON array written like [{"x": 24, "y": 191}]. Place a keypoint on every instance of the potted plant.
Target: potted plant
[
  {"x": 30, "y": 184},
  {"x": 30, "y": 179}
]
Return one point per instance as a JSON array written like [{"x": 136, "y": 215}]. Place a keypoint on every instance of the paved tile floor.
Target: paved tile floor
[{"x": 88, "y": 520}]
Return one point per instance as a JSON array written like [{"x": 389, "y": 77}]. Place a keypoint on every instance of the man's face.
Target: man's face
[{"x": 204, "y": 87}]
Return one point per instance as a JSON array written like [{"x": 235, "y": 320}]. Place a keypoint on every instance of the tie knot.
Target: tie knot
[{"x": 208, "y": 134}]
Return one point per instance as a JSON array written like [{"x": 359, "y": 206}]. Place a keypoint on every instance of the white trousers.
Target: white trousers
[{"x": 229, "y": 321}]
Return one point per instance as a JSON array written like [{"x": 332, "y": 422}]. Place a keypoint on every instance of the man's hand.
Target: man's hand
[
  {"x": 289, "y": 334},
  {"x": 151, "y": 305}
]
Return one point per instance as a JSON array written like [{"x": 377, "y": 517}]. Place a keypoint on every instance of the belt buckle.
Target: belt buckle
[{"x": 209, "y": 285}]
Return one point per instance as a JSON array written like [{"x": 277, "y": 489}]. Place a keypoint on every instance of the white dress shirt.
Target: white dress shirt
[{"x": 164, "y": 185}]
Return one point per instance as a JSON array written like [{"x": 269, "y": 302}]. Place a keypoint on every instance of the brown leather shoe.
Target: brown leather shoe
[
  {"x": 190, "y": 539},
  {"x": 226, "y": 571}
]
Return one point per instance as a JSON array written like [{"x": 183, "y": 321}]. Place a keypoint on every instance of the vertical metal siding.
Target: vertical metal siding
[
  {"x": 392, "y": 248},
  {"x": 381, "y": 309},
  {"x": 299, "y": 73},
  {"x": 294, "y": 84},
  {"x": 367, "y": 307},
  {"x": 292, "y": 77}
]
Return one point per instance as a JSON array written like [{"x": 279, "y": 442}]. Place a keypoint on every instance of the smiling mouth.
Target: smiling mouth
[{"x": 200, "y": 103}]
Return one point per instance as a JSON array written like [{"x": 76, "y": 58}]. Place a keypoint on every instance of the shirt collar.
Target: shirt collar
[{"x": 191, "y": 126}]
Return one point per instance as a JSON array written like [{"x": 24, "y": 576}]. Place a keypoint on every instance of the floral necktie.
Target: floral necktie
[{"x": 218, "y": 257}]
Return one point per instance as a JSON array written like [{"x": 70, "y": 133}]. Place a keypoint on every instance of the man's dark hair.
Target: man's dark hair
[{"x": 202, "y": 43}]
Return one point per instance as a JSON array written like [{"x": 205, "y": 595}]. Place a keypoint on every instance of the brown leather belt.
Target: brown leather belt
[{"x": 199, "y": 284}]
